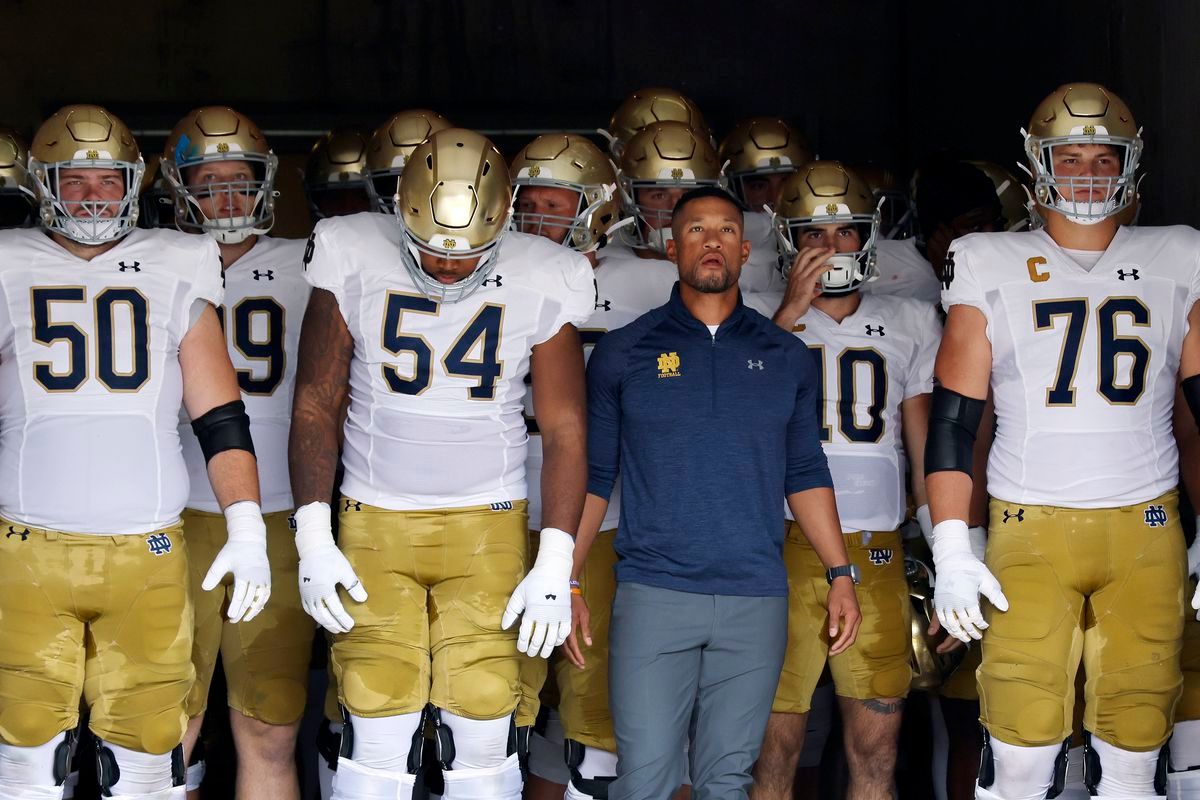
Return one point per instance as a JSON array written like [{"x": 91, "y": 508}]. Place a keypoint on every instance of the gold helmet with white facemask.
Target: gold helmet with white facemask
[
  {"x": 454, "y": 202},
  {"x": 219, "y": 134},
  {"x": 826, "y": 193},
  {"x": 1083, "y": 114},
  {"x": 85, "y": 137}
]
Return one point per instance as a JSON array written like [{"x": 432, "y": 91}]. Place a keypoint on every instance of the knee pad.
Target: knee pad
[
  {"x": 122, "y": 772},
  {"x": 380, "y": 743},
  {"x": 1109, "y": 770},
  {"x": 1185, "y": 746},
  {"x": 475, "y": 743},
  {"x": 1013, "y": 772},
  {"x": 354, "y": 781},
  {"x": 500, "y": 782},
  {"x": 45, "y": 765},
  {"x": 592, "y": 770},
  {"x": 174, "y": 793}
]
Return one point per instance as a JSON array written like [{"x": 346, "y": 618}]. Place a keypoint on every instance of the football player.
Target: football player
[
  {"x": 646, "y": 107},
  {"x": 335, "y": 179},
  {"x": 16, "y": 207},
  {"x": 221, "y": 173},
  {"x": 389, "y": 149},
  {"x": 1077, "y": 329},
  {"x": 430, "y": 327},
  {"x": 105, "y": 330},
  {"x": 876, "y": 361}
]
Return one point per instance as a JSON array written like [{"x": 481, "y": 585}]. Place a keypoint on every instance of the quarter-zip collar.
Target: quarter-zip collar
[{"x": 680, "y": 312}]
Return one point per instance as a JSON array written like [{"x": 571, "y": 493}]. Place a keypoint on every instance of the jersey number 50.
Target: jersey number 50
[{"x": 109, "y": 306}]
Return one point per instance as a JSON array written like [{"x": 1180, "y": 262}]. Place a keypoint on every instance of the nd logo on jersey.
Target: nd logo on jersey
[{"x": 668, "y": 365}]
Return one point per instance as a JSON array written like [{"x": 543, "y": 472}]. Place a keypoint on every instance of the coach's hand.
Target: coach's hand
[
  {"x": 543, "y": 599},
  {"x": 844, "y": 615},
  {"x": 581, "y": 627},
  {"x": 244, "y": 555},
  {"x": 961, "y": 579},
  {"x": 322, "y": 568}
]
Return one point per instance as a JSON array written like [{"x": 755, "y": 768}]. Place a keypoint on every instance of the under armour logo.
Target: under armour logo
[
  {"x": 1133, "y": 273},
  {"x": 879, "y": 555},
  {"x": 873, "y": 330},
  {"x": 1156, "y": 517},
  {"x": 752, "y": 364},
  {"x": 505, "y": 505},
  {"x": 355, "y": 504},
  {"x": 498, "y": 281},
  {"x": 551, "y": 597},
  {"x": 268, "y": 274},
  {"x": 24, "y": 534},
  {"x": 948, "y": 269},
  {"x": 159, "y": 543},
  {"x": 606, "y": 305},
  {"x": 1019, "y": 516},
  {"x": 135, "y": 266}
]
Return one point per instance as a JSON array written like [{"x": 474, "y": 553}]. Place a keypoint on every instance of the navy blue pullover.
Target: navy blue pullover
[{"x": 710, "y": 433}]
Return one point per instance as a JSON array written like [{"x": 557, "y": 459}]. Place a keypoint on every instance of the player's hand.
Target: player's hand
[
  {"x": 961, "y": 579},
  {"x": 804, "y": 283},
  {"x": 581, "y": 628},
  {"x": 322, "y": 568},
  {"x": 1193, "y": 556},
  {"x": 947, "y": 645},
  {"x": 844, "y": 615},
  {"x": 245, "y": 556},
  {"x": 543, "y": 599}
]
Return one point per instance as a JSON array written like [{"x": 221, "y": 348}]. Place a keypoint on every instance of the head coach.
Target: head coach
[{"x": 709, "y": 413}]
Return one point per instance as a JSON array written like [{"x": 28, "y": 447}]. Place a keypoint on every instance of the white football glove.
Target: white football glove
[
  {"x": 961, "y": 579},
  {"x": 244, "y": 555},
  {"x": 1193, "y": 556},
  {"x": 978, "y": 537},
  {"x": 926, "y": 524},
  {"x": 322, "y": 568},
  {"x": 543, "y": 598}
]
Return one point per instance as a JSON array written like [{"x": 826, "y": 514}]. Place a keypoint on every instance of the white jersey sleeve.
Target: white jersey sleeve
[
  {"x": 570, "y": 292},
  {"x": 1084, "y": 361},
  {"x": 927, "y": 335},
  {"x": 324, "y": 267},
  {"x": 92, "y": 384},
  {"x": 265, "y": 298}
]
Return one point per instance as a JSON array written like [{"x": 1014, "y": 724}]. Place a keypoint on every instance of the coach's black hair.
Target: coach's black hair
[{"x": 701, "y": 192}]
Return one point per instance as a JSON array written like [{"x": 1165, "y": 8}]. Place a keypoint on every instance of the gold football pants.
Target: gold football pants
[
  {"x": 266, "y": 659},
  {"x": 1102, "y": 584},
  {"x": 877, "y": 664},
  {"x": 105, "y": 617},
  {"x": 429, "y": 631}
]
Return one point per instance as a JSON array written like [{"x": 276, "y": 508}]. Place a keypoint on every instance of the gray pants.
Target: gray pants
[{"x": 681, "y": 662}]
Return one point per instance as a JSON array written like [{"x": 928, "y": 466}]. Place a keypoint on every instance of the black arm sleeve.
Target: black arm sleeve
[
  {"x": 953, "y": 423},
  {"x": 1191, "y": 393},
  {"x": 226, "y": 427}
]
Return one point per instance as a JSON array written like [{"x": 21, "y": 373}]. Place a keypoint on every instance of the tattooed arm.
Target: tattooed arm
[{"x": 322, "y": 380}]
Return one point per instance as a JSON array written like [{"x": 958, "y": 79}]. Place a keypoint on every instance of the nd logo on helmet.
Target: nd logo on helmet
[
  {"x": 93, "y": 154},
  {"x": 677, "y": 173},
  {"x": 534, "y": 171},
  {"x": 831, "y": 209},
  {"x": 1089, "y": 130},
  {"x": 449, "y": 244},
  {"x": 222, "y": 147}
]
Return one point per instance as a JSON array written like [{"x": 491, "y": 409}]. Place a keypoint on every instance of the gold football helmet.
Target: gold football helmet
[
  {"x": 567, "y": 161},
  {"x": 85, "y": 137},
  {"x": 757, "y": 149},
  {"x": 897, "y": 215},
  {"x": 1012, "y": 194},
  {"x": 391, "y": 145},
  {"x": 218, "y": 134},
  {"x": 647, "y": 106},
  {"x": 1083, "y": 114},
  {"x": 336, "y": 166},
  {"x": 930, "y": 668},
  {"x": 663, "y": 155},
  {"x": 454, "y": 201},
  {"x": 16, "y": 196},
  {"x": 826, "y": 193}
]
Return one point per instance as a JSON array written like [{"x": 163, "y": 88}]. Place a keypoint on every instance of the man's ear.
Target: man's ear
[
  {"x": 745, "y": 250},
  {"x": 672, "y": 251}
]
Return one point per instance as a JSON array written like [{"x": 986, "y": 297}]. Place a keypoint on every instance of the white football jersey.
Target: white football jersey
[
  {"x": 870, "y": 363},
  {"x": 437, "y": 389},
  {"x": 904, "y": 272},
  {"x": 626, "y": 287},
  {"x": 90, "y": 382},
  {"x": 760, "y": 273},
  {"x": 265, "y": 298},
  {"x": 1084, "y": 363}
]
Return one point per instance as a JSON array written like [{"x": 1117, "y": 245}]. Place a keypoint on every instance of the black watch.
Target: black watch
[{"x": 845, "y": 571}]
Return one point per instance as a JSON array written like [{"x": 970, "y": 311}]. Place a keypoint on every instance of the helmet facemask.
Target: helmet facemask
[
  {"x": 1058, "y": 193},
  {"x": 455, "y": 249},
  {"x": 260, "y": 190},
  {"x": 88, "y": 222},
  {"x": 652, "y": 229},
  {"x": 848, "y": 271}
]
